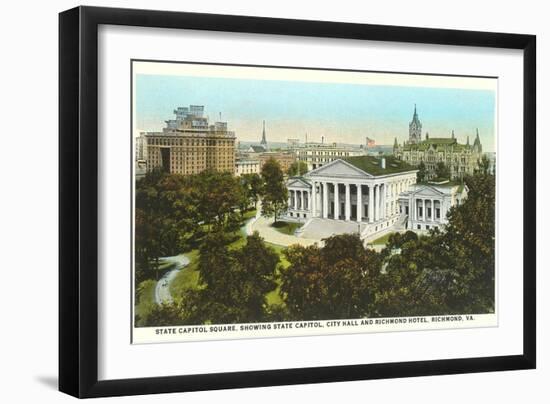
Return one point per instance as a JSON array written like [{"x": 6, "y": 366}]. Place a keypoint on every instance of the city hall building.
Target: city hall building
[{"x": 461, "y": 158}]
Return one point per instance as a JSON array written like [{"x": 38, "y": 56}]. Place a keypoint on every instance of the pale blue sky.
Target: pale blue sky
[{"x": 344, "y": 113}]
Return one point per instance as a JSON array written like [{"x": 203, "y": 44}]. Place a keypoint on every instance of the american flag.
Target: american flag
[{"x": 370, "y": 142}]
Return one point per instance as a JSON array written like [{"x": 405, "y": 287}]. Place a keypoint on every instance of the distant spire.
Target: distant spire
[
  {"x": 415, "y": 114},
  {"x": 477, "y": 142},
  {"x": 468, "y": 140},
  {"x": 453, "y": 134},
  {"x": 427, "y": 135},
  {"x": 395, "y": 144},
  {"x": 264, "y": 140}
]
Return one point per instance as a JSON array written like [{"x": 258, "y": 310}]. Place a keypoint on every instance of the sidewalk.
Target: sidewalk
[{"x": 263, "y": 226}]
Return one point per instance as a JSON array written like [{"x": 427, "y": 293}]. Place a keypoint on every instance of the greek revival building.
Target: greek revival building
[
  {"x": 361, "y": 189},
  {"x": 425, "y": 206},
  {"x": 372, "y": 195}
]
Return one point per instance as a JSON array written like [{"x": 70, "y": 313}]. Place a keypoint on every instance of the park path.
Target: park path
[{"x": 162, "y": 289}]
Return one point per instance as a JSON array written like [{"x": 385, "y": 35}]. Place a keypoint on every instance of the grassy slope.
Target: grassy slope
[
  {"x": 382, "y": 240},
  {"x": 286, "y": 227},
  {"x": 145, "y": 299}
]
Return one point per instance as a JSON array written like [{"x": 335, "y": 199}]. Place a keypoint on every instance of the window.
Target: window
[{"x": 418, "y": 227}]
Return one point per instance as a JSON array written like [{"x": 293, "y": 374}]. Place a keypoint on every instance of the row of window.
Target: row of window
[{"x": 189, "y": 142}]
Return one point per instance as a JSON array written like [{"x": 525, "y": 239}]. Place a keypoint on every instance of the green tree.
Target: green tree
[
  {"x": 447, "y": 272},
  {"x": 252, "y": 185},
  {"x": 297, "y": 168},
  {"x": 469, "y": 239},
  {"x": 421, "y": 174},
  {"x": 414, "y": 278},
  {"x": 275, "y": 193},
  {"x": 218, "y": 195},
  {"x": 335, "y": 281},
  {"x": 256, "y": 266},
  {"x": 162, "y": 219},
  {"x": 442, "y": 171},
  {"x": 233, "y": 284}
]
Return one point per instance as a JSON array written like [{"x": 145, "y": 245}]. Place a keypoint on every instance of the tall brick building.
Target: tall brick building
[{"x": 189, "y": 144}]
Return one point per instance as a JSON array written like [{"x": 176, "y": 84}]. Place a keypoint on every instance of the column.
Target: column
[
  {"x": 348, "y": 203},
  {"x": 359, "y": 203},
  {"x": 313, "y": 200},
  {"x": 325, "y": 200},
  {"x": 433, "y": 210},
  {"x": 377, "y": 202},
  {"x": 289, "y": 199},
  {"x": 384, "y": 192},
  {"x": 424, "y": 210},
  {"x": 371, "y": 203},
  {"x": 336, "y": 203},
  {"x": 295, "y": 193}
]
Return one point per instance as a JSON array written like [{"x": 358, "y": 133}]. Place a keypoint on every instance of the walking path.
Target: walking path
[{"x": 162, "y": 289}]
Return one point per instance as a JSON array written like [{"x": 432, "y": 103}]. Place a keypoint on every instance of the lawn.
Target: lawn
[
  {"x": 286, "y": 227},
  {"x": 188, "y": 277},
  {"x": 382, "y": 240},
  {"x": 145, "y": 298}
]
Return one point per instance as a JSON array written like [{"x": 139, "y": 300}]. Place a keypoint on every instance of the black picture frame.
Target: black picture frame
[{"x": 78, "y": 200}]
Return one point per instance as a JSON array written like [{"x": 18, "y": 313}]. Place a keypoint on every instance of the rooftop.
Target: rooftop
[{"x": 373, "y": 164}]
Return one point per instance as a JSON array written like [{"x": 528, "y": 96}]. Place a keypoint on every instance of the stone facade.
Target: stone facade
[
  {"x": 461, "y": 159},
  {"x": 247, "y": 167},
  {"x": 285, "y": 159},
  {"x": 317, "y": 155},
  {"x": 362, "y": 189},
  {"x": 190, "y": 145},
  {"x": 426, "y": 205}
]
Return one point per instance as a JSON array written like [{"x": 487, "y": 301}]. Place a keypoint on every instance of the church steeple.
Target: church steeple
[
  {"x": 415, "y": 128},
  {"x": 477, "y": 142},
  {"x": 264, "y": 140}
]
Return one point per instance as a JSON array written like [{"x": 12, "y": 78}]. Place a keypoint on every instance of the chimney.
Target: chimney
[{"x": 383, "y": 163}]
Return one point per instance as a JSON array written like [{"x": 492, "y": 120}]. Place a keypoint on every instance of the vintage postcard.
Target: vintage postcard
[{"x": 274, "y": 201}]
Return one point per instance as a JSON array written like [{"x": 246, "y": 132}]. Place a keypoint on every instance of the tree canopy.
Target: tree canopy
[
  {"x": 275, "y": 193},
  {"x": 297, "y": 168}
]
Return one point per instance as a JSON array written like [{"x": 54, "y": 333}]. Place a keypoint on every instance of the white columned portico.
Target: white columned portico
[
  {"x": 348, "y": 203},
  {"x": 359, "y": 203},
  {"x": 371, "y": 203},
  {"x": 325, "y": 200},
  {"x": 336, "y": 202}
]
